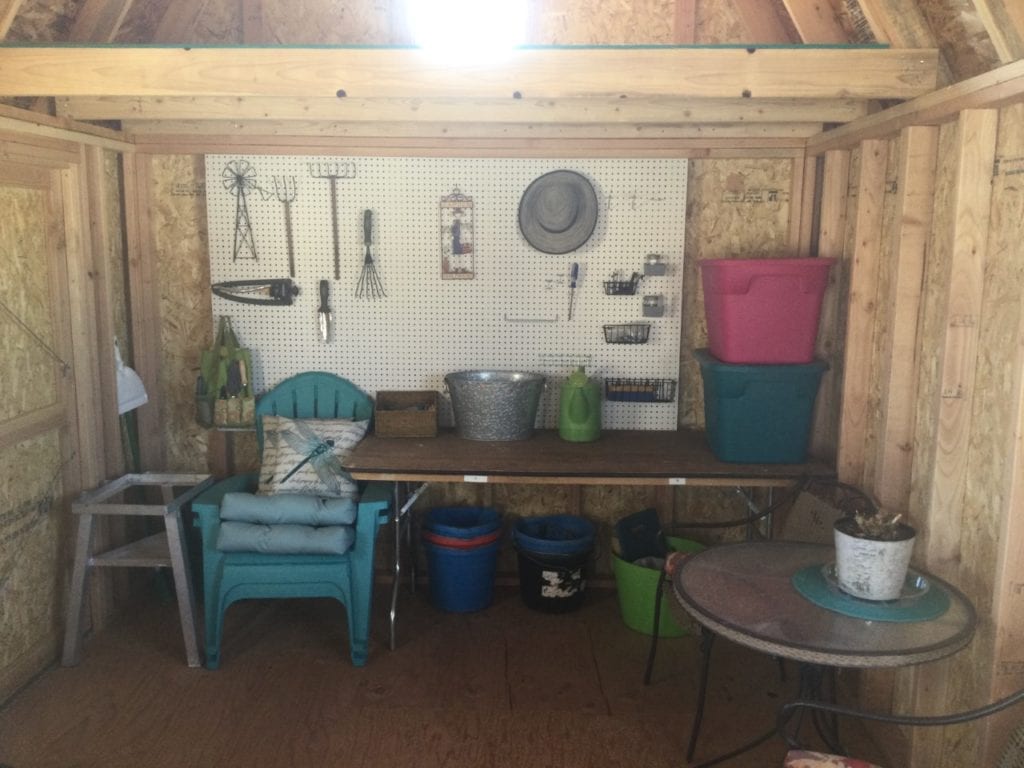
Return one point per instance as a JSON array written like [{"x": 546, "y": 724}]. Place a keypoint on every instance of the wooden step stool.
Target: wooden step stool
[{"x": 165, "y": 549}]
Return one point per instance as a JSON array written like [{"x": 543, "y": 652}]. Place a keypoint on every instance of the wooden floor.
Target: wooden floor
[{"x": 505, "y": 687}]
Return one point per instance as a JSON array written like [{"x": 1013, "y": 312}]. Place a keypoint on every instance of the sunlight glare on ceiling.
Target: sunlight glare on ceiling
[{"x": 468, "y": 31}]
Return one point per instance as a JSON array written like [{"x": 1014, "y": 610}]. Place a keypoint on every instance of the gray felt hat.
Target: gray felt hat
[{"x": 558, "y": 212}]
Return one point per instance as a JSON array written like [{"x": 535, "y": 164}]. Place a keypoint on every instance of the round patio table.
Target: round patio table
[{"x": 745, "y": 593}]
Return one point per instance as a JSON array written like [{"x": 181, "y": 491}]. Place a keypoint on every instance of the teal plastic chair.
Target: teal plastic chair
[{"x": 232, "y": 576}]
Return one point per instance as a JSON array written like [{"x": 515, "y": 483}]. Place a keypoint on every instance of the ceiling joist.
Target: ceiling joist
[
  {"x": 664, "y": 110},
  {"x": 761, "y": 134},
  {"x": 411, "y": 73},
  {"x": 816, "y": 21}
]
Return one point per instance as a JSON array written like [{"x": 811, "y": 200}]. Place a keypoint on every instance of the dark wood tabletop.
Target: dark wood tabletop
[{"x": 626, "y": 457}]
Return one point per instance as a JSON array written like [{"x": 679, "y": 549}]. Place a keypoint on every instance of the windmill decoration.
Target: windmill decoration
[
  {"x": 319, "y": 453},
  {"x": 239, "y": 178}
]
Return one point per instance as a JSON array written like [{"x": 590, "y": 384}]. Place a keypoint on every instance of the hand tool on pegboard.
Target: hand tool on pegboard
[{"x": 332, "y": 172}]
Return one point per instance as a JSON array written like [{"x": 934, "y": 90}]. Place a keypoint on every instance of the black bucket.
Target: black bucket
[{"x": 553, "y": 583}]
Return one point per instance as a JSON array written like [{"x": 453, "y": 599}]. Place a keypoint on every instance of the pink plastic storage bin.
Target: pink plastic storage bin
[{"x": 763, "y": 311}]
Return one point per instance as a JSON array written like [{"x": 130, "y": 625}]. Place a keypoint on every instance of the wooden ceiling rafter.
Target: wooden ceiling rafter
[
  {"x": 749, "y": 134},
  {"x": 178, "y": 21},
  {"x": 8, "y": 10},
  {"x": 762, "y": 23},
  {"x": 543, "y": 73},
  {"x": 99, "y": 21},
  {"x": 641, "y": 111},
  {"x": 1004, "y": 22},
  {"x": 990, "y": 90},
  {"x": 815, "y": 21},
  {"x": 685, "y": 22},
  {"x": 901, "y": 24}
]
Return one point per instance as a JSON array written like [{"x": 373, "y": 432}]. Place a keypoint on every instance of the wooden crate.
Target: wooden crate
[{"x": 405, "y": 414}]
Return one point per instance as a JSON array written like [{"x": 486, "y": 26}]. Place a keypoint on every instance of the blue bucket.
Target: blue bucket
[
  {"x": 555, "y": 535},
  {"x": 462, "y": 522},
  {"x": 461, "y": 580}
]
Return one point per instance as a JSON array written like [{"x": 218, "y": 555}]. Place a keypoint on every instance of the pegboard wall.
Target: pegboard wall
[{"x": 512, "y": 314}]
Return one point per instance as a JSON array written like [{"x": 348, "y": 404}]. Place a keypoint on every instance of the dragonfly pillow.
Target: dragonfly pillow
[{"x": 306, "y": 456}]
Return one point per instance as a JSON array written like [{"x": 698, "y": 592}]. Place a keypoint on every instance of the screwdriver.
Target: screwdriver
[{"x": 574, "y": 274}]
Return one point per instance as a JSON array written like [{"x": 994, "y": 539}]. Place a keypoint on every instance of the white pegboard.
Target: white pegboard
[{"x": 512, "y": 315}]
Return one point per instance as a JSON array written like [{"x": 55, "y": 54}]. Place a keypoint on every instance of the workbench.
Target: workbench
[{"x": 661, "y": 459}]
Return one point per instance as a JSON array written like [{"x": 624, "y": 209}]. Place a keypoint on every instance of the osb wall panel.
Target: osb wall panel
[
  {"x": 736, "y": 209},
  {"x": 178, "y": 222},
  {"x": 28, "y": 531},
  {"x": 362, "y": 22},
  {"x": 43, "y": 20},
  {"x": 593, "y": 22},
  {"x": 220, "y": 22},
  {"x": 718, "y": 22},
  {"x": 29, "y": 372},
  {"x": 141, "y": 20},
  {"x": 30, "y": 590},
  {"x": 961, "y": 35}
]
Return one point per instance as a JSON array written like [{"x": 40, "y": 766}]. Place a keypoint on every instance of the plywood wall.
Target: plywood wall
[
  {"x": 31, "y": 550},
  {"x": 967, "y": 679},
  {"x": 30, "y": 541}
]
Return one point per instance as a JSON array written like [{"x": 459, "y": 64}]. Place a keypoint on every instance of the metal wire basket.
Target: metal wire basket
[
  {"x": 640, "y": 390},
  {"x": 627, "y": 333},
  {"x": 619, "y": 287}
]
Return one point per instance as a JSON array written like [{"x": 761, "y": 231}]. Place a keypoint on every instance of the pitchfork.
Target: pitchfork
[{"x": 285, "y": 189}]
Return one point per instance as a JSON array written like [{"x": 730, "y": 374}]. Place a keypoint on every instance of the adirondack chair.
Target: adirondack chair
[{"x": 229, "y": 576}]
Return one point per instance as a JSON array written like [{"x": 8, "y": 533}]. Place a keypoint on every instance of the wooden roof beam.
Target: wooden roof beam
[
  {"x": 901, "y": 24},
  {"x": 412, "y": 73},
  {"x": 1004, "y": 22},
  {"x": 99, "y": 21},
  {"x": 8, "y": 10},
  {"x": 992, "y": 89},
  {"x": 536, "y": 111},
  {"x": 816, "y": 21},
  {"x": 747, "y": 134}
]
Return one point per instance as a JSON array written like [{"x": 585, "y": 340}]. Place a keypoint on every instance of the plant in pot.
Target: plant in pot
[{"x": 873, "y": 548}]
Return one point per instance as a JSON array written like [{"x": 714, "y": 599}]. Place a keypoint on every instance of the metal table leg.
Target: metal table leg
[{"x": 403, "y": 506}]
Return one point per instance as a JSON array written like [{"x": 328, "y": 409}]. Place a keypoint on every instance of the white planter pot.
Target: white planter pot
[{"x": 872, "y": 569}]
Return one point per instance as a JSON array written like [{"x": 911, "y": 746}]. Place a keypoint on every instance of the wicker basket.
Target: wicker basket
[{"x": 405, "y": 414}]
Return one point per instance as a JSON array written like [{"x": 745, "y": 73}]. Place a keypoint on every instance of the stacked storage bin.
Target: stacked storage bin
[{"x": 759, "y": 372}]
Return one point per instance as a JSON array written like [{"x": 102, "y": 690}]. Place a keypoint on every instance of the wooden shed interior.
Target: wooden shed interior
[{"x": 888, "y": 134}]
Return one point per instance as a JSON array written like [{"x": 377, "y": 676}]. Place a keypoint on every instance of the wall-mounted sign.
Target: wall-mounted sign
[{"x": 457, "y": 257}]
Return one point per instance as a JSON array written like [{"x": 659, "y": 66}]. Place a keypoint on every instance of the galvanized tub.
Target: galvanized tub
[{"x": 494, "y": 405}]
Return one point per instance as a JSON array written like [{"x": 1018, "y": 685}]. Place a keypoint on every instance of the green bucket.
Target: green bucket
[{"x": 636, "y": 587}]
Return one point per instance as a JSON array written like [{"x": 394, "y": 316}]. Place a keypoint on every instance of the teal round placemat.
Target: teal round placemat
[{"x": 922, "y": 598}]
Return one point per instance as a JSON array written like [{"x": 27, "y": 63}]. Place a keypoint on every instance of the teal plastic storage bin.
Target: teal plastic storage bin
[{"x": 759, "y": 414}]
